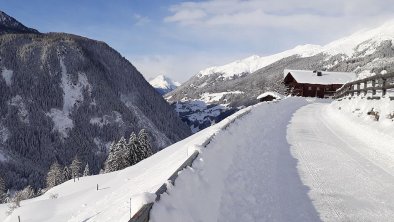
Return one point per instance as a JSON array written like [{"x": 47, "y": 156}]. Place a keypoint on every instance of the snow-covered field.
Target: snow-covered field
[{"x": 80, "y": 201}]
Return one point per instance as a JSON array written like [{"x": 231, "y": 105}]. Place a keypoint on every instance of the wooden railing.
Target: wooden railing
[{"x": 377, "y": 85}]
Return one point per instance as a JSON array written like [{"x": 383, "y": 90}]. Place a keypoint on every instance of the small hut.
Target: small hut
[{"x": 269, "y": 96}]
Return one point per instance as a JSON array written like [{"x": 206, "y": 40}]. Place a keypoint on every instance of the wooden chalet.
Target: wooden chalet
[{"x": 320, "y": 84}]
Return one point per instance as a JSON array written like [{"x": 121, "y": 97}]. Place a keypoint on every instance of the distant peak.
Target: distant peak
[
  {"x": 164, "y": 83},
  {"x": 9, "y": 25}
]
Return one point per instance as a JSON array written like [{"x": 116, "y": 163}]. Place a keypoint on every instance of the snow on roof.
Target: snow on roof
[
  {"x": 308, "y": 76},
  {"x": 274, "y": 94}
]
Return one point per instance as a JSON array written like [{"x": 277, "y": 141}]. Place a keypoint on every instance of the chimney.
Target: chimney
[{"x": 319, "y": 73}]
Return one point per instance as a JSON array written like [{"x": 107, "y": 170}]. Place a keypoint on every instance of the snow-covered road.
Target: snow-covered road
[
  {"x": 286, "y": 163},
  {"x": 348, "y": 169}
]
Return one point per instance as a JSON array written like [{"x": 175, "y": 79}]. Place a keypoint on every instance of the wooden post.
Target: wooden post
[
  {"x": 352, "y": 86},
  {"x": 373, "y": 87},
  {"x": 97, "y": 187},
  {"x": 383, "y": 86},
  {"x": 365, "y": 88},
  {"x": 19, "y": 218},
  {"x": 358, "y": 89}
]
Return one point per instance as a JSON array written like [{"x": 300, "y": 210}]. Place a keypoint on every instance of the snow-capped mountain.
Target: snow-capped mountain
[
  {"x": 164, "y": 84},
  {"x": 364, "y": 52},
  {"x": 63, "y": 95}
]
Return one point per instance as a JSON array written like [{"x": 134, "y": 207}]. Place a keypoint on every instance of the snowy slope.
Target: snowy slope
[
  {"x": 80, "y": 201},
  {"x": 365, "y": 40},
  {"x": 164, "y": 84},
  {"x": 255, "y": 62}
]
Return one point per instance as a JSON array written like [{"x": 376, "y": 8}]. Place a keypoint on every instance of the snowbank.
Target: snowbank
[
  {"x": 237, "y": 178},
  {"x": 367, "y": 111}
]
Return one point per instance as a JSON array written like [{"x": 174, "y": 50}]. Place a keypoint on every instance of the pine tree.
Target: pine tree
[
  {"x": 146, "y": 148},
  {"x": 76, "y": 167},
  {"x": 111, "y": 164},
  {"x": 132, "y": 146},
  {"x": 66, "y": 174},
  {"x": 2, "y": 190},
  {"x": 86, "y": 172},
  {"x": 121, "y": 150},
  {"x": 2, "y": 186},
  {"x": 54, "y": 176}
]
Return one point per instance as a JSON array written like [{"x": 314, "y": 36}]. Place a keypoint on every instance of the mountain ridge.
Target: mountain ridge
[{"x": 9, "y": 25}]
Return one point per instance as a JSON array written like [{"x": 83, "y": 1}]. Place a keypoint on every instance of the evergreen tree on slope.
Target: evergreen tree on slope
[
  {"x": 76, "y": 167},
  {"x": 146, "y": 148},
  {"x": 86, "y": 172},
  {"x": 131, "y": 151},
  {"x": 54, "y": 176}
]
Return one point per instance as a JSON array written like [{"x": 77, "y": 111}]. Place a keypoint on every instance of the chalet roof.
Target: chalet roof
[
  {"x": 273, "y": 94},
  {"x": 327, "y": 78}
]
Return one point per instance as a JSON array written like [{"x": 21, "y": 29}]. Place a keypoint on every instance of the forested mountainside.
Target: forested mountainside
[
  {"x": 62, "y": 96},
  {"x": 215, "y": 92}
]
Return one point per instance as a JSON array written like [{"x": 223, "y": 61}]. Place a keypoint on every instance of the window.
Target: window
[{"x": 309, "y": 88}]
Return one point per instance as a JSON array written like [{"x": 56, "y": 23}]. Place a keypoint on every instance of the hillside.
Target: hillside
[
  {"x": 238, "y": 84},
  {"x": 64, "y": 95}
]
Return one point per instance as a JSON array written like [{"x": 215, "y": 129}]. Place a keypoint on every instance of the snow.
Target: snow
[
  {"x": 347, "y": 165},
  {"x": 163, "y": 82},
  {"x": 288, "y": 160},
  {"x": 23, "y": 114},
  {"x": 358, "y": 107},
  {"x": 72, "y": 96},
  {"x": 80, "y": 201},
  {"x": 274, "y": 94},
  {"x": 245, "y": 174},
  {"x": 306, "y": 76},
  {"x": 62, "y": 122},
  {"x": 282, "y": 163},
  {"x": 369, "y": 40},
  {"x": 115, "y": 117},
  {"x": 254, "y": 63},
  {"x": 365, "y": 41},
  {"x": 72, "y": 92},
  {"x": 4, "y": 133},
  {"x": 7, "y": 75},
  {"x": 215, "y": 97}
]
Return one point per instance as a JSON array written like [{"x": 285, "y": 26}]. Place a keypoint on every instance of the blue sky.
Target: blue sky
[{"x": 179, "y": 38}]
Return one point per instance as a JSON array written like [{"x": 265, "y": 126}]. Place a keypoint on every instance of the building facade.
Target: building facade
[{"x": 321, "y": 84}]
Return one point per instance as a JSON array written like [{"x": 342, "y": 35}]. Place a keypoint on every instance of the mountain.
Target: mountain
[
  {"x": 163, "y": 84},
  {"x": 10, "y": 25},
  {"x": 215, "y": 92},
  {"x": 63, "y": 95}
]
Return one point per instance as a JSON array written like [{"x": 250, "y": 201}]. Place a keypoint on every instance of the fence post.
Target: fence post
[
  {"x": 373, "y": 87},
  {"x": 365, "y": 88},
  {"x": 352, "y": 87}
]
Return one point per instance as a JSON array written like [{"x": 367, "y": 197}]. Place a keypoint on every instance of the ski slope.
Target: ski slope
[{"x": 288, "y": 161}]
